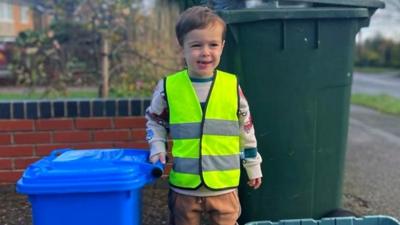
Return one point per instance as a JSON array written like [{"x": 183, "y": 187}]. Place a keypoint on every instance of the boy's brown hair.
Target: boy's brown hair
[{"x": 197, "y": 17}]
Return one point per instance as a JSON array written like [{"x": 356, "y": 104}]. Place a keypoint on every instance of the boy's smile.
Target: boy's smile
[{"x": 202, "y": 49}]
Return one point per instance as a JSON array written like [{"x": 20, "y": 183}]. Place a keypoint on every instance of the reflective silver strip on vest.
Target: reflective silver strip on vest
[
  {"x": 213, "y": 127},
  {"x": 221, "y": 162},
  {"x": 185, "y": 130},
  {"x": 209, "y": 163},
  {"x": 186, "y": 165},
  {"x": 221, "y": 127}
]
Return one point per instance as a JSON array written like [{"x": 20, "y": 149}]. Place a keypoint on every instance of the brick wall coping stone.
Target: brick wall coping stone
[{"x": 71, "y": 108}]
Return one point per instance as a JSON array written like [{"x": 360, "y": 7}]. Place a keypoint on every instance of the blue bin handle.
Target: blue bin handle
[{"x": 158, "y": 169}]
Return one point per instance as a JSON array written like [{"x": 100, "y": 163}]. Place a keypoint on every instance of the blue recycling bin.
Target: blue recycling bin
[{"x": 88, "y": 187}]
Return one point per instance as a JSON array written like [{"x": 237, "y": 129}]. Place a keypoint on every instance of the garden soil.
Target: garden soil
[{"x": 16, "y": 210}]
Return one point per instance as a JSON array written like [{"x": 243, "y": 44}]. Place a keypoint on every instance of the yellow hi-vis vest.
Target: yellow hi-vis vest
[{"x": 205, "y": 145}]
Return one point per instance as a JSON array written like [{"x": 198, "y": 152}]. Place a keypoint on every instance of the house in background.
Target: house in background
[{"x": 17, "y": 16}]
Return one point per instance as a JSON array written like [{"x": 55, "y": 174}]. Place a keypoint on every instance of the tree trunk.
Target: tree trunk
[{"x": 105, "y": 67}]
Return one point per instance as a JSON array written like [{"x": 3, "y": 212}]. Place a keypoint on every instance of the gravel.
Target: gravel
[{"x": 15, "y": 209}]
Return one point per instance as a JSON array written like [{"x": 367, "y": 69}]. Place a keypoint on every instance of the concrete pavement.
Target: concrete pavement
[{"x": 372, "y": 172}]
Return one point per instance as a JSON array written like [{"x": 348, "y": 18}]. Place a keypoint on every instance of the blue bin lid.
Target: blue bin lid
[{"x": 93, "y": 170}]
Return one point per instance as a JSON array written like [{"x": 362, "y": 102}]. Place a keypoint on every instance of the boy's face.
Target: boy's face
[{"x": 202, "y": 49}]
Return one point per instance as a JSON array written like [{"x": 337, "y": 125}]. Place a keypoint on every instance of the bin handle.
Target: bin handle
[{"x": 158, "y": 169}]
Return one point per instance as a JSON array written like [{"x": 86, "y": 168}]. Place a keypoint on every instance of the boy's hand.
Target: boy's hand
[
  {"x": 158, "y": 157},
  {"x": 255, "y": 183}
]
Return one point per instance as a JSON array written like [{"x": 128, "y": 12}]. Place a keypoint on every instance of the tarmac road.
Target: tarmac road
[
  {"x": 372, "y": 173},
  {"x": 386, "y": 83}
]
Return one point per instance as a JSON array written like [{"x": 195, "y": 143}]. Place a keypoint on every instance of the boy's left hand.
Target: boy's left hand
[{"x": 255, "y": 183}]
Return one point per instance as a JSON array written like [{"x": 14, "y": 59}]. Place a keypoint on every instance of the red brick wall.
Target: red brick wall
[{"x": 27, "y": 140}]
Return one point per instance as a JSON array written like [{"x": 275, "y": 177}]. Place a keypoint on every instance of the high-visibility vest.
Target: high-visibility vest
[{"x": 206, "y": 147}]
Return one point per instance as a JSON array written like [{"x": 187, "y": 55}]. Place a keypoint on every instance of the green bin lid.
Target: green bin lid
[
  {"x": 251, "y": 15},
  {"x": 355, "y": 3},
  {"x": 322, "y": 9}
]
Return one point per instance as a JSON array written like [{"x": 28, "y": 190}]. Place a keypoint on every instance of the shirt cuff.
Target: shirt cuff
[
  {"x": 254, "y": 171},
  {"x": 157, "y": 147},
  {"x": 253, "y": 166}
]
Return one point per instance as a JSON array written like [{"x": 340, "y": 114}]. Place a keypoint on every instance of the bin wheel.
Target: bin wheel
[{"x": 340, "y": 213}]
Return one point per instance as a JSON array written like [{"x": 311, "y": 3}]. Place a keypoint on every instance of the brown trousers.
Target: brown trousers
[{"x": 190, "y": 210}]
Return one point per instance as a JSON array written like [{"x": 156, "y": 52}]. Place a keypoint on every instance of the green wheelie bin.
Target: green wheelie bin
[{"x": 294, "y": 62}]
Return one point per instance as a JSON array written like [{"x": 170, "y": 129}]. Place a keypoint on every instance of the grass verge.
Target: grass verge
[
  {"x": 382, "y": 103},
  {"x": 37, "y": 95}
]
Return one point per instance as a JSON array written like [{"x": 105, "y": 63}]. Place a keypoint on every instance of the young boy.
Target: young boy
[{"x": 208, "y": 119}]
